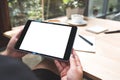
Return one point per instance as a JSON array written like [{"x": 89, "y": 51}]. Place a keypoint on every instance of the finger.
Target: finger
[
  {"x": 58, "y": 64},
  {"x": 19, "y": 32},
  {"x": 77, "y": 60},
  {"x": 64, "y": 64},
  {"x": 72, "y": 61},
  {"x": 15, "y": 38}
]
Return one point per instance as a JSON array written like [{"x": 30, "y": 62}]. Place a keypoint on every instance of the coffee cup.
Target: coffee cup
[{"x": 77, "y": 18}]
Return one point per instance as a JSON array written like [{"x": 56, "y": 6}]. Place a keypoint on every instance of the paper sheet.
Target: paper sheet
[{"x": 82, "y": 45}]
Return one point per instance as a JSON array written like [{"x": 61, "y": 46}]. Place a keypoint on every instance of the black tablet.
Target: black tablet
[{"x": 48, "y": 39}]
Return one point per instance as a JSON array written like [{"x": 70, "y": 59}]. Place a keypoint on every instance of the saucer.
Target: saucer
[{"x": 77, "y": 24}]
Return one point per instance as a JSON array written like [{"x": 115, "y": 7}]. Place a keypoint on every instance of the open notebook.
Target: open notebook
[{"x": 82, "y": 45}]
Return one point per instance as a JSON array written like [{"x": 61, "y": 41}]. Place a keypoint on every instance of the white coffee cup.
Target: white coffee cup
[{"x": 77, "y": 18}]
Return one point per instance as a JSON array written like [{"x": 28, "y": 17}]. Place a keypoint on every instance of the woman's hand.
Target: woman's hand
[
  {"x": 71, "y": 70},
  {"x": 10, "y": 50}
]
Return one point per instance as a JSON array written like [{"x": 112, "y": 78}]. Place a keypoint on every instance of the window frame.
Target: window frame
[{"x": 4, "y": 22}]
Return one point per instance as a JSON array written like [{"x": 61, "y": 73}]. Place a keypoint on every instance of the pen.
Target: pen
[
  {"x": 86, "y": 40},
  {"x": 110, "y": 32}
]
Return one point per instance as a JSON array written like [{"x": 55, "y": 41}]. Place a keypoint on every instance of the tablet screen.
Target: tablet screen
[{"x": 46, "y": 39}]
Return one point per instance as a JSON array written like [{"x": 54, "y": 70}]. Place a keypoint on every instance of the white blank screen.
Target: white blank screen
[{"x": 48, "y": 39}]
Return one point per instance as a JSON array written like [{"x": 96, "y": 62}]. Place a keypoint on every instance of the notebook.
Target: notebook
[{"x": 97, "y": 29}]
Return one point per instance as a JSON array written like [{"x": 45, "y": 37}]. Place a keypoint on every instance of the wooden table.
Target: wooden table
[{"x": 105, "y": 62}]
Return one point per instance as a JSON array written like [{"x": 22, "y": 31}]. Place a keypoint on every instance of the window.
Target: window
[
  {"x": 21, "y": 11},
  {"x": 52, "y": 9},
  {"x": 112, "y": 6},
  {"x": 113, "y": 10},
  {"x": 103, "y": 8},
  {"x": 95, "y": 8}
]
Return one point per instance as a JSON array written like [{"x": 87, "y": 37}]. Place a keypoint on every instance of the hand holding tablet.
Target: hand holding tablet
[{"x": 48, "y": 39}]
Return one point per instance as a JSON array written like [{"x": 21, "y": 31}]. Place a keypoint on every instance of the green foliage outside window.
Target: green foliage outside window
[
  {"x": 22, "y": 10},
  {"x": 52, "y": 9}
]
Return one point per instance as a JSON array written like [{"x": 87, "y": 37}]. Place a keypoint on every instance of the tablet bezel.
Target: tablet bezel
[{"x": 68, "y": 47}]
